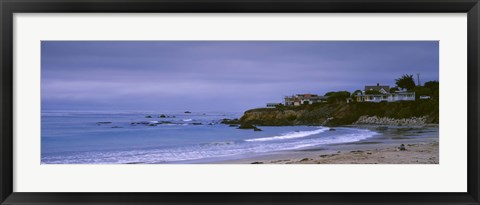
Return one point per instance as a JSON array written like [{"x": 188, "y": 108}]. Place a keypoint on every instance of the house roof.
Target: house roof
[
  {"x": 378, "y": 88},
  {"x": 307, "y": 96}
]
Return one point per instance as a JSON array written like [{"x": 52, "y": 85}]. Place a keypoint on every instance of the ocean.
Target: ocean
[{"x": 197, "y": 137}]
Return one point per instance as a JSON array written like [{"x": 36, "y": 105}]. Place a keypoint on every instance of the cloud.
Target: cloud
[{"x": 229, "y": 75}]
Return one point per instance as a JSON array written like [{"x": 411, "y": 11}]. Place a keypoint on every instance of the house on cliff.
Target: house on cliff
[
  {"x": 304, "y": 99},
  {"x": 381, "y": 93}
]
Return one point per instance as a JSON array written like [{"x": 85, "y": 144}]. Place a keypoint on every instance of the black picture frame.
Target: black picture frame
[{"x": 10, "y": 7}]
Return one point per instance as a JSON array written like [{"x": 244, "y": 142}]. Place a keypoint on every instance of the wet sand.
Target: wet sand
[{"x": 421, "y": 147}]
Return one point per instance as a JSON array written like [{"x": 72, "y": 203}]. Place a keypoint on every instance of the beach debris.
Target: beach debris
[
  {"x": 148, "y": 116},
  {"x": 369, "y": 153},
  {"x": 103, "y": 123},
  {"x": 356, "y": 151},
  {"x": 256, "y": 163},
  {"x": 197, "y": 123},
  {"x": 401, "y": 148},
  {"x": 305, "y": 159},
  {"x": 324, "y": 155}
]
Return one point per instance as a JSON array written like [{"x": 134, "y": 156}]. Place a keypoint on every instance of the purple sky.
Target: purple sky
[{"x": 218, "y": 75}]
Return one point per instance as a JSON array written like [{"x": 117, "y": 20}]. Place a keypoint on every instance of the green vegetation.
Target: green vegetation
[
  {"x": 405, "y": 82},
  {"x": 355, "y": 93},
  {"x": 434, "y": 88},
  {"x": 340, "y": 113},
  {"x": 337, "y": 97}
]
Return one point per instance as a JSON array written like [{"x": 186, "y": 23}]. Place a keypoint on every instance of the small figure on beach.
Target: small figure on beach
[{"x": 401, "y": 148}]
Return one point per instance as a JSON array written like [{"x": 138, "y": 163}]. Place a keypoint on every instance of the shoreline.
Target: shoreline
[{"x": 421, "y": 144}]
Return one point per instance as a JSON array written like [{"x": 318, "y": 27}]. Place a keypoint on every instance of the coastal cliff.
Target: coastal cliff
[{"x": 331, "y": 114}]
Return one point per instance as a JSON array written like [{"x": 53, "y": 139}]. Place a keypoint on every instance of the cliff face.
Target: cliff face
[{"x": 342, "y": 113}]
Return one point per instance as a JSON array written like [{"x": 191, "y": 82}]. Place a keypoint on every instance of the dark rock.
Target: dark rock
[
  {"x": 305, "y": 159},
  {"x": 256, "y": 129},
  {"x": 230, "y": 121},
  {"x": 187, "y": 112},
  {"x": 148, "y": 116},
  {"x": 402, "y": 147},
  {"x": 247, "y": 126},
  {"x": 196, "y": 123},
  {"x": 256, "y": 163},
  {"x": 103, "y": 123},
  {"x": 162, "y": 116},
  {"x": 233, "y": 125},
  {"x": 331, "y": 129},
  {"x": 152, "y": 125},
  {"x": 117, "y": 127}
]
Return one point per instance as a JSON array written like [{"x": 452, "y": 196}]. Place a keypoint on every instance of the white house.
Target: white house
[
  {"x": 304, "y": 99},
  {"x": 381, "y": 94}
]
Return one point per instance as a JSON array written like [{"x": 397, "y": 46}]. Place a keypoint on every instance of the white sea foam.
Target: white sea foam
[
  {"x": 290, "y": 135},
  {"x": 215, "y": 149},
  {"x": 187, "y": 120}
]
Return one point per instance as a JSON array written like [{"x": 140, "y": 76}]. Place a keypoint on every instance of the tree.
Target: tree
[
  {"x": 335, "y": 97},
  {"x": 422, "y": 90},
  {"x": 355, "y": 93},
  {"x": 433, "y": 86},
  {"x": 405, "y": 82}
]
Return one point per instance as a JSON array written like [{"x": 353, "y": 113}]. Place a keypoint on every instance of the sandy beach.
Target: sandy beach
[{"x": 421, "y": 147}]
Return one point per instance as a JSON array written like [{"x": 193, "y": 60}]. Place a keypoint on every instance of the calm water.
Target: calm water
[{"x": 79, "y": 138}]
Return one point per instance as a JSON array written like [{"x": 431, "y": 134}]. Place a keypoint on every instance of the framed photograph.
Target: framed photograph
[{"x": 254, "y": 102}]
